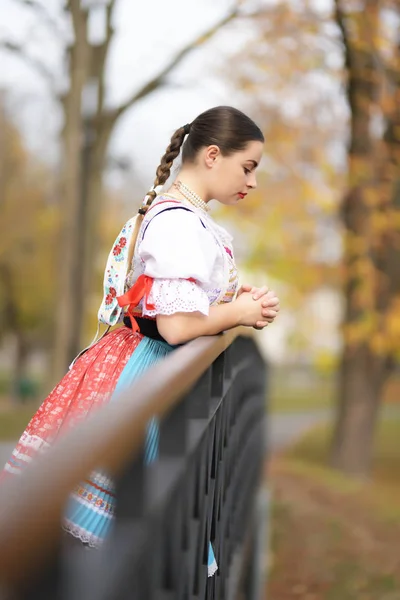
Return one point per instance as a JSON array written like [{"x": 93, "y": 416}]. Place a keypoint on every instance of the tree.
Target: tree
[
  {"x": 303, "y": 183},
  {"x": 28, "y": 230},
  {"x": 371, "y": 217},
  {"x": 291, "y": 84}
]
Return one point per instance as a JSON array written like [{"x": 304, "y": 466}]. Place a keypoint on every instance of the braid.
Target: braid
[
  {"x": 162, "y": 174},
  {"x": 164, "y": 168}
]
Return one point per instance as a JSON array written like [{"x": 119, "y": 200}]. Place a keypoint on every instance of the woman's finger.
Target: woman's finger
[
  {"x": 258, "y": 292},
  {"x": 244, "y": 288},
  {"x": 268, "y": 313},
  {"x": 261, "y": 324},
  {"x": 270, "y": 302}
]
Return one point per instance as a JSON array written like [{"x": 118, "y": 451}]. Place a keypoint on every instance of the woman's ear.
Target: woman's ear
[{"x": 211, "y": 155}]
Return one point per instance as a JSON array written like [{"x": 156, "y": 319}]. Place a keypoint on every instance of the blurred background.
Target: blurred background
[{"x": 90, "y": 93}]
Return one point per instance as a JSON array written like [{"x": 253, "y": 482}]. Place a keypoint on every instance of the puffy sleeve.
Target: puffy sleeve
[{"x": 179, "y": 253}]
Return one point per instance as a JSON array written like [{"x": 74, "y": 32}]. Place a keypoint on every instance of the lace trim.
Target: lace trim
[
  {"x": 96, "y": 543},
  {"x": 171, "y": 296},
  {"x": 212, "y": 569},
  {"x": 80, "y": 534}
]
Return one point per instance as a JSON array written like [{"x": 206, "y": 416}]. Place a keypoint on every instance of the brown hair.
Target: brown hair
[{"x": 225, "y": 126}]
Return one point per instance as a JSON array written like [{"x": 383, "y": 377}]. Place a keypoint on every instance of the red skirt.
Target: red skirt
[{"x": 87, "y": 386}]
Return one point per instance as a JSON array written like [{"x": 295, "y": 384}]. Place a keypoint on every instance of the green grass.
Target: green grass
[
  {"x": 294, "y": 390},
  {"x": 311, "y": 454},
  {"x": 287, "y": 397},
  {"x": 313, "y": 448},
  {"x": 14, "y": 420}
]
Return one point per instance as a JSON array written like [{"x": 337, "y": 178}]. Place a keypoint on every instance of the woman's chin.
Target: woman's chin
[{"x": 230, "y": 201}]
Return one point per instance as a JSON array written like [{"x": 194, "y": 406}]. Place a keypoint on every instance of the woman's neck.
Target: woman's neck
[{"x": 192, "y": 182}]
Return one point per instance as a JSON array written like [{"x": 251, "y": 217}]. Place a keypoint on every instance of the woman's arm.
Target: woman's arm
[{"x": 182, "y": 327}]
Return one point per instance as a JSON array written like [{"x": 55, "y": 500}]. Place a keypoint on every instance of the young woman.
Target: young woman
[{"x": 171, "y": 277}]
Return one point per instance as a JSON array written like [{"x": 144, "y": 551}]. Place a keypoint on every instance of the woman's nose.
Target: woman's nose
[{"x": 252, "y": 181}]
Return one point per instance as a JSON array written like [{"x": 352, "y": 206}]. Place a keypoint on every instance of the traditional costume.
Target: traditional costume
[{"x": 182, "y": 262}]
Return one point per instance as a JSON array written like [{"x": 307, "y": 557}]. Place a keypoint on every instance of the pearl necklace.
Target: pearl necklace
[{"x": 191, "y": 196}]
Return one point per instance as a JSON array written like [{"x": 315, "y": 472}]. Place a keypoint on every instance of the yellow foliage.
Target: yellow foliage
[
  {"x": 392, "y": 323},
  {"x": 378, "y": 343},
  {"x": 28, "y": 242},
  {"x": 380, "y": 222},
  {"x": 288, "y": 228},
  {"x": 372, "y": 196},
  {"x": 325, "y": 362}
]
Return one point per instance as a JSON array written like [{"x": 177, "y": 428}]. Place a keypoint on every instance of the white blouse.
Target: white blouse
[{"x": 189, "y": 257}]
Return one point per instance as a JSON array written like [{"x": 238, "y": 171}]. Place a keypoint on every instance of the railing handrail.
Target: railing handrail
[{"x": 31, "y": 504}]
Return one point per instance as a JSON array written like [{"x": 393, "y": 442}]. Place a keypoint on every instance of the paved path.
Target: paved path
[
  {"x": 286, "y": 428},
  {"x": 5, "y": 451}
]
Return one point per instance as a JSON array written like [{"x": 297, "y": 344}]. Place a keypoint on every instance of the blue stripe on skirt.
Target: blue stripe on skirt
[
  {"x": 147, "y": 354},
  {"x": 91, "y": 506}
]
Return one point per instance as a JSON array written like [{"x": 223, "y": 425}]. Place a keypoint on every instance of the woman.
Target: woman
[{"x": 171, "y": 272}]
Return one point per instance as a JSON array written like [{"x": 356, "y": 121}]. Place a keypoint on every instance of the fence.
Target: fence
[{"x": 209, "y": 397}]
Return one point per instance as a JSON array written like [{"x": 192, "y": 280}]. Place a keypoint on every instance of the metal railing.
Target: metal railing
[{"x": 210, "y": 399}]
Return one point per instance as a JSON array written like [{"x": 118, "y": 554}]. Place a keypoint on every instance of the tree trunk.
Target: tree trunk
[
  {"x": 12, "y": 319},
  {"x": 96, "y": 158},
  {"x": 362, "y": 373},
  {"x": 19, "y": 371},
  {"x": 69, "y": 308},
  {"x": 361, "y": 379}
]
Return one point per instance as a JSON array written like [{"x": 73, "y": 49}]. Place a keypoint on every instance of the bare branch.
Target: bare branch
[
  {"x": 157, "y": 81},
  {"x": 110, "y": 8},
  {"x": 99, "y": 56},
  {"x": 51, "y": 24},
  {"x": 31, "y": 61},
  {"x": 340, "y": 20}
]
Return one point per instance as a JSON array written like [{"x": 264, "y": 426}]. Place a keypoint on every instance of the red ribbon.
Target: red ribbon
[{"x": 140, "y": 289}]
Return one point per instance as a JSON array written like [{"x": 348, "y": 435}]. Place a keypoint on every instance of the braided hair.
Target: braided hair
[
  {"x": 162, "y": 175},
  {"x": 164, "y": 168}
]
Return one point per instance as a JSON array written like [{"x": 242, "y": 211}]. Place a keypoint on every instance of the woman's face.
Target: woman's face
[{"x": 232, "y": 177}]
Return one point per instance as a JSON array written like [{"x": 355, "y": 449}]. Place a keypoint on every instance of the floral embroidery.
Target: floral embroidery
[
  {"x": 111, "y": 277},
  {"x": 119, "y": 250},
  {"x": 229, "y": 251},
  {"x": 94, "y": 500},
  {"x": 115, "y": 275},
  {"x": 111, "y": 294}
]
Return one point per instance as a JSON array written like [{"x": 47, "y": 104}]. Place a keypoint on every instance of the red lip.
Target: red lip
[{"x": 242, "y": 195}]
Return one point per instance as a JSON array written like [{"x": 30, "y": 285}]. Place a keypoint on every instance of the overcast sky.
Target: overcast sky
[{"x": 148, "y": 34}]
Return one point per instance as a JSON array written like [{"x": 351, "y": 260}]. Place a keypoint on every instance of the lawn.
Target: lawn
[
  {"x": 334, "y": 538},
  {"x": 286, "y": 399},
  {"x": 291, "y": 390},
  {"x": 13, "y": 420}
]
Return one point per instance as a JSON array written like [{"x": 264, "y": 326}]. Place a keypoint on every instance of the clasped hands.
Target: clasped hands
[{"x": 269, "y": 305}]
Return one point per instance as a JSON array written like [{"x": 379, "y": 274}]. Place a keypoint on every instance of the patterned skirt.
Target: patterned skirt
[{"x": 97, "y": 377}]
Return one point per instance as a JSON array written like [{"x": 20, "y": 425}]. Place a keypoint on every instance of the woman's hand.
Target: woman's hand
[
  {"x": 270, "y": 303},
  {"x": 256, "y": 313}
]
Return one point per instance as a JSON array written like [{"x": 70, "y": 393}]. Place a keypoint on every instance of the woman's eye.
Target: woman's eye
[{"x": 247, "y": 171}]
